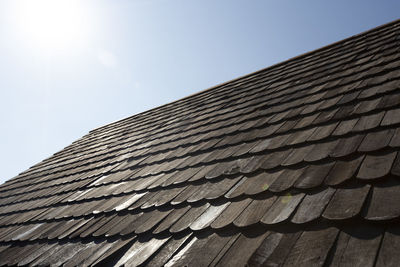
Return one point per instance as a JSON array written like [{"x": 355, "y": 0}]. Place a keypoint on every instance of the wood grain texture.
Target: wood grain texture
[{"x": 346, "y": 203}]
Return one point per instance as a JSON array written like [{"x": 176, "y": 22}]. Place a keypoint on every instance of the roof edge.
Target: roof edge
[{"x": 256, "y": 72}]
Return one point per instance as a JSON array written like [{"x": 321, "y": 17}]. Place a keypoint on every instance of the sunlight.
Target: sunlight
[{"x": 51, "y": 24}]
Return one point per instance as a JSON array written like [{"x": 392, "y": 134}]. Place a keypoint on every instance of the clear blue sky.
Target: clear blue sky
[{"x": 105, "y": 60}]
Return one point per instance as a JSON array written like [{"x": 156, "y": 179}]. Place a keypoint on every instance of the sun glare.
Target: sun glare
[{"x": 51, "y": 24}]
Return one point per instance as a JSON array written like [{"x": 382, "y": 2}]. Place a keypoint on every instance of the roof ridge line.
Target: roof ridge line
[{"x": 252, "y": 73}]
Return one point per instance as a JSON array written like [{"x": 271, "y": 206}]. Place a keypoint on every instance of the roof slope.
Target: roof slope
[{"x": 295, "y": 165}]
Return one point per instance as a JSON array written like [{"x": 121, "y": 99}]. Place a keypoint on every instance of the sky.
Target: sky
[{"x": 67, "y": 67}]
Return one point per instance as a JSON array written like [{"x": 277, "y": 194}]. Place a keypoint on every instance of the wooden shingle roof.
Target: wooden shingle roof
[{"x": 295, "y": 165}]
